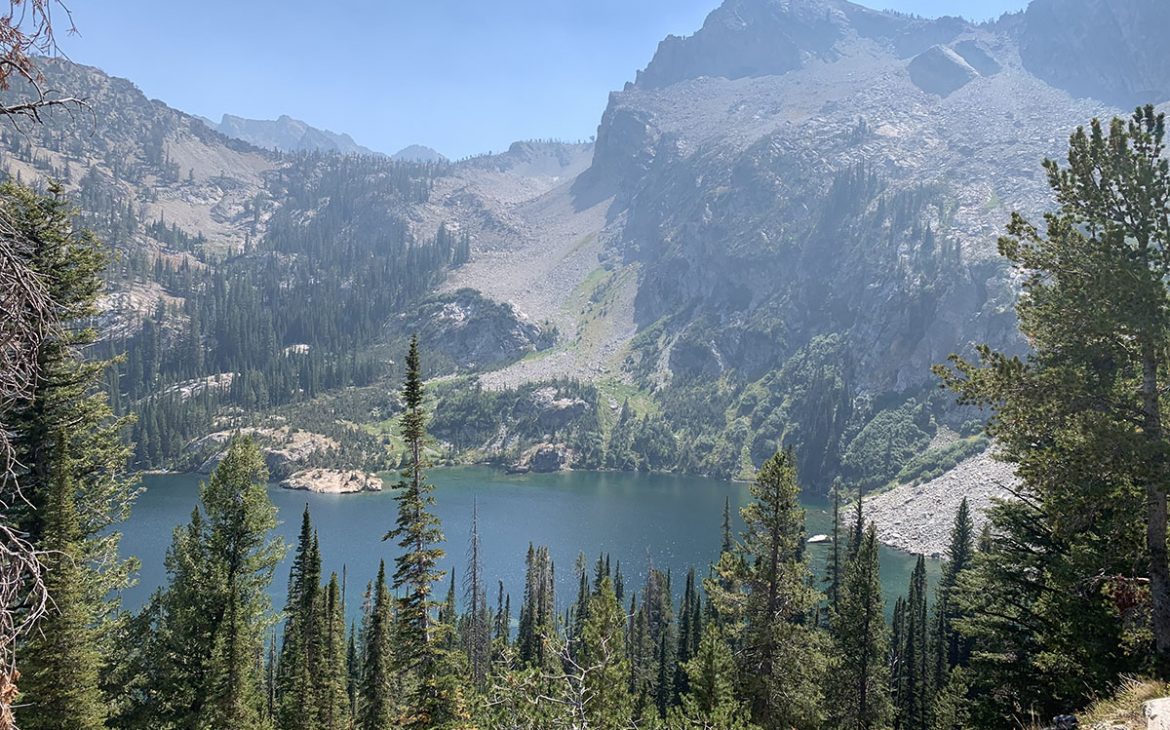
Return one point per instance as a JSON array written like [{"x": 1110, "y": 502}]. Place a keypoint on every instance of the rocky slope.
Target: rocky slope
[
  {"x": 918, "y": 518},
  {"x": 785, "y": 220}
]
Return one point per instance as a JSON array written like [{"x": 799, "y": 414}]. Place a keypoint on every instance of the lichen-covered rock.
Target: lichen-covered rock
[{"x": 1157, "y": 713}]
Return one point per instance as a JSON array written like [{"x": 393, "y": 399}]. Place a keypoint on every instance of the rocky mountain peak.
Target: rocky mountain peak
[
  {"x": 748, "y": 38},
  {"x": 1112, "y": 50},
  {"x": 287, "y": 135}
]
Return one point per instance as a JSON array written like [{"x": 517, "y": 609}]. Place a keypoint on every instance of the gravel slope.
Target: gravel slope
[{"x": 918, "y": 518}]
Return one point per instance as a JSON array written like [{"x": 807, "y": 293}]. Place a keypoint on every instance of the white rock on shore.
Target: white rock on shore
[
  {"x": 333, "y": 481},
  {"x": 918, "y": 518}
]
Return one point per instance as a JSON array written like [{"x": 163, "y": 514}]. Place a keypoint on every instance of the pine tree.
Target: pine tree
[
  {"x": 376, "y": 702},
  {"x": 1081, "y": 417},
  {"x": 780, "y": 658},
  {"x": 689, "y": 631},
  {"x": 711, "y": 700},
  {"x": 833, "y": 578},
  {"x": 66, "y": 439},
  {"x": 206, "y": 642},
  {"x": 298, "y": 655},
  {"x": 417, "y": 532},
  {"x": 858, "y": 696},
  {"x": 477, "y": 634},
  {"x": 951, "y": 649},
  {"x": 61, "y": 677},
  {"x": 240, "y": 518},
  {"x": 603, "y": 665},
  {"x": 914, "y": 694},
  {"x": 538, "y": 612},
  {"x": 332, "y": 684}
]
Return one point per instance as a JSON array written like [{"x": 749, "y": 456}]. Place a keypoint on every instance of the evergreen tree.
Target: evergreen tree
[
  {"x": 332, "y": 684},
  {"x": 417, "y": 531},
  {"x": 477, "y": 633},
  {"x": 68, "y": 456},
  {"x": 1081, "y": 417},
  {"x": 376, "y": 697},
  {"x": 603, "y": 666},
  {"x": 953, "y": 650},
  {"x": 858, "y": 696},
  {"x": 61, "y": 675},
  {"x": 765, "y": 598},
  {"x": 295, "y": 679},
  {"x": 206, "y": 643},
  {"x": 913, "y": 694},
  {"x": 239, "y": 520},
  {"x": 711, "y": 700},
  {"x": 689, "y": 633},
  {"x": 538, "y": 612}
]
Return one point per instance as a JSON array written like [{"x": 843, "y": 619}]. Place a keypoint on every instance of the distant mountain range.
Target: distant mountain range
[
  {"x": 292, "y": 135},
  {"x": 785, "y": 221}
]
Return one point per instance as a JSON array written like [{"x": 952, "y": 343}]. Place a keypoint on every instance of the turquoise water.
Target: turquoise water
[{"x": 639, "y": 519}]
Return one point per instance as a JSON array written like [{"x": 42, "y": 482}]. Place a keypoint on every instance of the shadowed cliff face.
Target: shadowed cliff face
[
  {"x": 1113, "y": 50},
  {"x": 803, "y": 172}
]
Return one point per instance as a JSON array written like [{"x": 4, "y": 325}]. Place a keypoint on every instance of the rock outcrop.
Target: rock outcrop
[
  {"x": 285, "y": 450},
  {"x": 545, "y": 458},
  {"x": 332, "y": 481},
  {"x": 475, "y": 332}
]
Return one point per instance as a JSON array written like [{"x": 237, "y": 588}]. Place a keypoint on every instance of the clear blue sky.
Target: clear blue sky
[{"x": 463, "y": 76}]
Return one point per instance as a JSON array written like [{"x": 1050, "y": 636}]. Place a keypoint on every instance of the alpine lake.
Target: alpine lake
[{"x": 668, "y": 521}]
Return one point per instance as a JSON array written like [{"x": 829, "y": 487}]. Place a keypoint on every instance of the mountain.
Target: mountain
[
  {"x": 418, "y": 153},
  {"x": 288, "y": 135},
  {"x": 786, "y": 219}
]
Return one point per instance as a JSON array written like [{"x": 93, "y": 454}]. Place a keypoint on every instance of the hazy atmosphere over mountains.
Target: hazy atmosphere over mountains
[
  {"x": 891, "y": 291},
  {"x": 798, "y": 203}
]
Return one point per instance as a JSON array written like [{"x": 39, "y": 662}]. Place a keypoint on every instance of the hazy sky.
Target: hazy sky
[{"x": 463, "y": 76}]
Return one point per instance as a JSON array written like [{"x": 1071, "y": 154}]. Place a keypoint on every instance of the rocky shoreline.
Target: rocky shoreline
[{"x": 917, "y": 518}]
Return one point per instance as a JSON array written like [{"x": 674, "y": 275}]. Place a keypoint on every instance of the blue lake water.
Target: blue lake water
[{"x": 670, "y": 521}]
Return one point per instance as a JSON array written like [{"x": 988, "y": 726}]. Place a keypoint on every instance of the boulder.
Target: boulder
[
  {"x": 941, "y": 71},
  {"x": 1157, "y": 714}
]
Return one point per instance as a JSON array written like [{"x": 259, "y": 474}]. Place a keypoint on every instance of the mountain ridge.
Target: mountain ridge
[{"x": 760, "y": 250}]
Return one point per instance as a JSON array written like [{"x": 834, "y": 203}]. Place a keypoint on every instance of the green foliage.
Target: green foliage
[
  {"x": 603, "y": 664},
  {"x": 914, "y": 679},
  {"x": 418, "y": 534},
  {"x": 377, "y": 687},
  {"x": 70, "y": 470},
  {"x": 204, "y": 633},
  {"x": 764, "y": 601},
  {"x": 936, "y": 462},
  {"x": 858, "y": 694},
  {"x": 1081, "y": 416},
  {"x": 61, "y": 663},
  {"x": 886, "y": 444},
  {"x": 711, "y": 700}
]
